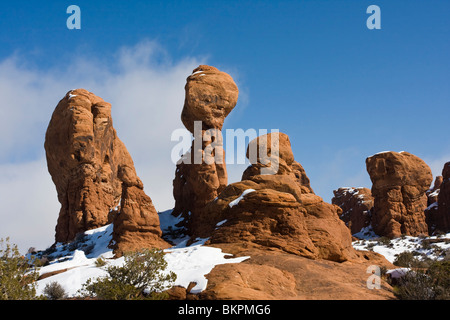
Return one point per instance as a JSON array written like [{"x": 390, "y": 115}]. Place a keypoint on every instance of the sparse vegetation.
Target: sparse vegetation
[
  {"x": 54, "y": 291},
  {"x": 409, "y": 259},
  {"x": 17, "y": 276},
  {"x": 142, "y": 276},
  {"x": 100, "y": 262},
  {"x": 430, "y": 284},
  {"x": 385, "y": 241}
]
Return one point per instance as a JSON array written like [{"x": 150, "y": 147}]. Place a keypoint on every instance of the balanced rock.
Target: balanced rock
[
  {"x": 201, "y": 174},
  {"x": 400, "y": 181},
  {"x": 272, "y": 211},
  {"x": 93, "y": 172},
  {"x": 356, "y": 205},
  {"x": 210, "y": 96}
]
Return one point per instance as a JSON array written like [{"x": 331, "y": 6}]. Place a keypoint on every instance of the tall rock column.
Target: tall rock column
[
  {"x": 400, "y": 181},
  {"x": 93, "y": 171},
  {"x": 210, "y": 95}
]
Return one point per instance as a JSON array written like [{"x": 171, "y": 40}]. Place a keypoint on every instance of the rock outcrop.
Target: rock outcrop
[
  {"x": 356, "y": 205},
  {"x": 439, "y": 213},
  {"x": 431, "y": 212},
  {"x": 400, "y": 181},
  {"x": 201, "y": 174},
  {"x": 274, "y": 211},
  {"x": 136, "y": 226},
  {"x": 210, "y": 96},
  {"x": 93, "y": 172},
  {"x": 278, "y": 275},
  {"x": 444, "y": 200}
]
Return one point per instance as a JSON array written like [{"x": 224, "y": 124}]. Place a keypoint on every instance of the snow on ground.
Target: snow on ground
[
  {"x": 78, "y": 259},
  {"x": 433, "y": 247},
  {"x": 192, "y": 263}
]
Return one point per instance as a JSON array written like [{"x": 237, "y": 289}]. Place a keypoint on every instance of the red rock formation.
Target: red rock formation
[
  {"x": 400, "y": 181},
  {"x": 442, "y": 218},
  {"x": 93, "y": 171},
  {"x": 273, "y": 211},
  {"x": 137, "y": 224},
  {"x": 431, "y": 212},
  {"x": 210, "y": 97},
  {"x": 356, "y": 205}
]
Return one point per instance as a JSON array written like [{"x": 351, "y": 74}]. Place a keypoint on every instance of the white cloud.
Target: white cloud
[
  {"x": 146, "y": 90},
  {"x": 29, "y": 205}
]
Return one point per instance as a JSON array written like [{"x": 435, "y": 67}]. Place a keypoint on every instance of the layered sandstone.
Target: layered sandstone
[
  {"x": 93, "y": 172},
  {"x": 210, "y": 95},
  {"x": 274, "y": 211},
  {"x": 400, "y": 181}
]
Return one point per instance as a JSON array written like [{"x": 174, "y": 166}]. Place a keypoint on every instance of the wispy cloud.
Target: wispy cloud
[{"x": 146, "y": 89}]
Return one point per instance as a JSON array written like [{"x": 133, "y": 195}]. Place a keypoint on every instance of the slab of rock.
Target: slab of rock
[
  {"x": 277, "y": 275},
  {"x": 400, "y": 181}
]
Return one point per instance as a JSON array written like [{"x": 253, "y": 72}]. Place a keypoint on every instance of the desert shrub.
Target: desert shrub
[
  {"x": 414, "y": 285},
  {"x": 432, "y": 284},
  {"x": 370, "y": 246},
  {"x": 385, "y": 241},
  {"x": 142, "y": 276},
  {"x": 100, "y": 262},
  {"x": 17, "y": 277},
  {"x": 404, "y": 259},
  {"x": 408, "y": 259},
  {"x": 440, "y": 274},
  {"x": 54, "y": 291}
]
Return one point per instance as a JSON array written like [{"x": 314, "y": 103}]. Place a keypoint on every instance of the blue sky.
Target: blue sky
[{"x": 311, "y": 69}]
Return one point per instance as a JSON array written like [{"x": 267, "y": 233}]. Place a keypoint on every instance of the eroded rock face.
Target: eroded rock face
[
  {"x": 137, "y": 224},
  {"x": 442, "y": 220},
  {"x": 273, "y": 211},
  {"x": 400, "y": 181},
  {"x": 93, "y": 171},
  {"x": 210, "y": 95},
  {"x": 356, "y": 205},
  {"x": 432, "y": 217},
  {"x": 83, "y": 154}
]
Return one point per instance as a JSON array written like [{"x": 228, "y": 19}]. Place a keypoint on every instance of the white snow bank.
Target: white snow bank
[
  {"x": 189, "y": 263},
  {"x": 402, "y": 244},
  {"x": 192, "y": 263}
]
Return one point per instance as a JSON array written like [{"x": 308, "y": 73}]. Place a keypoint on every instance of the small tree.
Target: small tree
[
  {"x": 17, "y": 277},
  {"x": 141, "y": 276}
]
